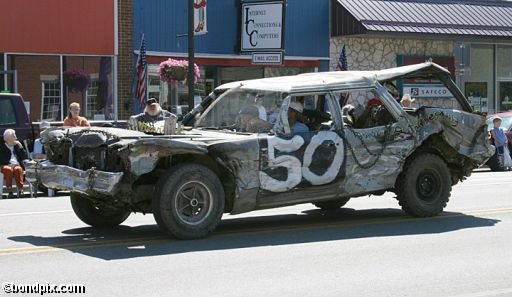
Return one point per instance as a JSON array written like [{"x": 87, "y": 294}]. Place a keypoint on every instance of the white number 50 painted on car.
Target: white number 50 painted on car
[{"x": 296, "y": 170}]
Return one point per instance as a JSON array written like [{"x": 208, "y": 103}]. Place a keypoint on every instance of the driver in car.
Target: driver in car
[
  {"x": 250, "y": 121},
  {"x": 294, "y": 112}
]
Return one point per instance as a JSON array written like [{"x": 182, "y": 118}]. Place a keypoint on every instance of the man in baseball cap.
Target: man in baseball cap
[
  {"x": 294, "y": 112},
  {"x": 153, "y": 113}
]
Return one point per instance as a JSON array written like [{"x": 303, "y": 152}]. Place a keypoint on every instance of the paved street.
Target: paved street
[{"x": 369, "y": 248}]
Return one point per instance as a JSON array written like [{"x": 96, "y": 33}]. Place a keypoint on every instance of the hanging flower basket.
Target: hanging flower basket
[
  {"x": 173, "y": 70},
  {"x": 76, "y": 80}
]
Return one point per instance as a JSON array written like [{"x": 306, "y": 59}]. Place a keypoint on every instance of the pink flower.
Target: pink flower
[{"x": 176, "y": 70}]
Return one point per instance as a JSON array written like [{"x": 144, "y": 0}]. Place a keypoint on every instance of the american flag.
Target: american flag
[
  {"x": 142, "y": 75},
  {"x": 342, "y": 60}
]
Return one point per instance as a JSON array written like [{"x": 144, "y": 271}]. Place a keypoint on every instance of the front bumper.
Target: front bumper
[{"x": 62, "y": 177}]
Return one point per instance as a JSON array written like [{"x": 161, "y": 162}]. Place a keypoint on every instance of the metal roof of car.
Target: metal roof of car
[
  {"x": 333, "y": 79},
  {"x": 477, "y": 18}
]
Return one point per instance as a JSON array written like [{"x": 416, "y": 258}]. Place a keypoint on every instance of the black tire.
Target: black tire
[
  {"x": 189, "y": 201},
  {"x": 331, "y": 204},
  {"x": 89, "y": 213},
  {"x": 495, "y": 164},
  {"x": 423, "y": 188}
]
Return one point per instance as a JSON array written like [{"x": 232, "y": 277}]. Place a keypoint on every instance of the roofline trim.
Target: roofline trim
[{"x": 432, "y": 25}]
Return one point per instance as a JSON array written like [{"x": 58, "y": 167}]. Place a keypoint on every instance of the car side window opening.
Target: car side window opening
[
  {"x": 316, "y": 114},
  {"x": 364, "y": 109}
]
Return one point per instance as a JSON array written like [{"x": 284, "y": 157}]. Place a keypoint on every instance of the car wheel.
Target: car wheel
[
  {"x": 495, "y": 164},
  {"x": 189, "y": 201},
  {"x": 423, "y": 188},
  {"x": 91, "y": 214},
  {"x": 331, "y": 204}
]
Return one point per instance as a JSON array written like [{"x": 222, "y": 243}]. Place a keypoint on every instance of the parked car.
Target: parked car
[
  {"x": 230, "y": 161},
  {"x": 14, "y": 115},
  {"x": 506, "y": 124}
]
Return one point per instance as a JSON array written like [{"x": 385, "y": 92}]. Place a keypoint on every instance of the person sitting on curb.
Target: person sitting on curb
[{"x": 12, "y": 155}]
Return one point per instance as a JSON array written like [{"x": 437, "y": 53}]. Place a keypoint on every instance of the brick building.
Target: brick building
[{"x": 48, "y": 47}]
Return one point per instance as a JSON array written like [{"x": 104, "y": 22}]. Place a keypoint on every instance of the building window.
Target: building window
[
  {"x": 50, "y": 110},
  {"x": 91, "y": 97},
  {"x": 478, "y": 78}
]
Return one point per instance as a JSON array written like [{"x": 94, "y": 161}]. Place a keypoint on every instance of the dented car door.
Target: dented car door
[{"x": 297, "y": 167}]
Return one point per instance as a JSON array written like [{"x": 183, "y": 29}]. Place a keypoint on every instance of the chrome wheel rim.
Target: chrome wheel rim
[{"x": 193, "y": 202}]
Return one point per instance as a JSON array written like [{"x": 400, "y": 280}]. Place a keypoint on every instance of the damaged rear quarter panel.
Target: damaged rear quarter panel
[{"x": 463, "y": 131}]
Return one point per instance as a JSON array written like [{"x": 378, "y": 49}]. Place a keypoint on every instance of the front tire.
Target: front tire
[
  {"x": 423, "y": 188},
  {"x": 189, "y": 201},
  {"x": 91, "y": 214}
]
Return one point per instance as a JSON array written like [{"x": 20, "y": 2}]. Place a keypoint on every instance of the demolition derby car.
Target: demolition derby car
[{"x": 243, "y": 153}]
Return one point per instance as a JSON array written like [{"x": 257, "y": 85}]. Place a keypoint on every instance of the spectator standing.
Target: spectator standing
[
  {"x": 500, "y": 139},
  {"x": 74, "y": 119}
]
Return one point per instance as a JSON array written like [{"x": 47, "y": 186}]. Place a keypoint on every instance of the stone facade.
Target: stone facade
[
  {"x": 365, "y": 53},
  {"x": 370, "y": 53}
]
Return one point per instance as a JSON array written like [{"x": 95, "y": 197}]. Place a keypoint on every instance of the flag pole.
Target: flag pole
[{"x": 191, "y": 75}]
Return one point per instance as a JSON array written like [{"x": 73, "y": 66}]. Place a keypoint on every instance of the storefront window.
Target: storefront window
[
  {"x": 87, "y": 80},
  {"x": 505, "y": 97},
  {"x": 95, "y": 96},
  {"x": 504, "y": 59},
  {"x": 479, "y": 78},
  {"x": 174, "y": 96}
]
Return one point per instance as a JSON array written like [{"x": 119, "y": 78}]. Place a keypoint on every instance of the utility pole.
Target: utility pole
[{"x": 191, "y": 74}]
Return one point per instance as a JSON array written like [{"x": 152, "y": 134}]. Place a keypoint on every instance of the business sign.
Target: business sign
[
  {"x": 427, "y": 91},
  {"x": 426, "y": 87},
  {"x": 267, "y": 58},
  {"x": 200, "y": 17},
  {"x": 262, "y": 26}
]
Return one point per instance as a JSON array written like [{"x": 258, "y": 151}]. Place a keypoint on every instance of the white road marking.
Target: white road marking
[
  {"x": 32, "y": 213},
  {"x": 494, "y": 293}
]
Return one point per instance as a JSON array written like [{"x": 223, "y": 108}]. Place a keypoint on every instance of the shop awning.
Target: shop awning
[{"x": 468, "y": 18}]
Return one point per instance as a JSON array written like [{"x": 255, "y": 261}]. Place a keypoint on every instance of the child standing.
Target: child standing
[{"x": 500, "y": 139}]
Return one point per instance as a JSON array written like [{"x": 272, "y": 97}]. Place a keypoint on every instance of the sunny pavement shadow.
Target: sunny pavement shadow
[{"x": 124, "y": 242}]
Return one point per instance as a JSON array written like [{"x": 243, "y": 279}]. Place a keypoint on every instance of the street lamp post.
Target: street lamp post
[{"x": 190, "y": 78}]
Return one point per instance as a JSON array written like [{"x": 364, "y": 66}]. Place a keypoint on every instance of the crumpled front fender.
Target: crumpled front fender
[{"x": 62, "y": 177}]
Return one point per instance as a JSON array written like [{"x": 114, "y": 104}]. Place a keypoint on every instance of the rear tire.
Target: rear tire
[
  {"x": 331, "y": 204},
  {"x": 423, "y": 188},
  {"x": 189, "y": 201},
  {"x": 91, "y": 214}
]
